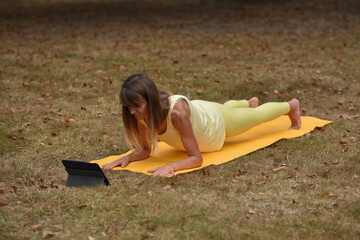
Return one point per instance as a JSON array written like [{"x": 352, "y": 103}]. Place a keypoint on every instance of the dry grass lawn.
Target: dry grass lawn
[{"x": 62, "y": 64}]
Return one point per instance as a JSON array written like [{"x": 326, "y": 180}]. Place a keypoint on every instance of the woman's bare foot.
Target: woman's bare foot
[
  {"x": 253, "y": 102},
  {"x": 294, "y": 114}
]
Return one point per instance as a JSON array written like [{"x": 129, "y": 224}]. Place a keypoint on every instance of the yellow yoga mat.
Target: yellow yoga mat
[{"x": 256, "y": 138}]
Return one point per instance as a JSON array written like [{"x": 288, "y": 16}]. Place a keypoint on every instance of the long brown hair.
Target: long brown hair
[{"x": 157, "y": 109}]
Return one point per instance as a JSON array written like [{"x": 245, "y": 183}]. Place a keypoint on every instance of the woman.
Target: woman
[{"x": 194, "y": 126}]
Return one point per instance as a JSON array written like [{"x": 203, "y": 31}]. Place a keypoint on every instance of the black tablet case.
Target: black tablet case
[{"x": 84, "y": 174}]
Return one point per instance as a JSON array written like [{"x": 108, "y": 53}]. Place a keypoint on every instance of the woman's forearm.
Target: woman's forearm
[{"x": 189, "y": 162}]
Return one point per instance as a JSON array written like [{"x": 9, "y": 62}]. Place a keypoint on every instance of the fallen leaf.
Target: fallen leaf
[
  {"x": 260, "y": 183},
  {"x": 279, "y": 169},
  {"x": 100, "y": 71},
  {"x": 47, "y": 233},
  {"x": 145, "y": 235},
  {"x": 252, "y": 211},
  {"x": 332, "y": 194},
  {"x": 13, "y": 189},
  {"x": 54, "y": 134},
  {"x": 34, "y": 227},
  {"x": 4, "y": 203},
  {"x": 167, "y": 187},
  {"x": 13, "y": 137},
  {"x": 81, "y": 206},
  {"x": 5, "y": 229},
  {"x": 113, "y": 230},
  {"x": 32, "y": 180},
  {"x": 308, "y": 183},
  {"x": 140, "y": 183},
  {"x": 342, "y": 141}
]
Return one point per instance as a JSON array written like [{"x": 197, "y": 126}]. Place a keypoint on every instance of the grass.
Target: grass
[{"x": 61, "y": 67}]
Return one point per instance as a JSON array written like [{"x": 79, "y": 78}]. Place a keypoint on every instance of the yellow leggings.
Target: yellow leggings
[{"x": 240, "y": 118}]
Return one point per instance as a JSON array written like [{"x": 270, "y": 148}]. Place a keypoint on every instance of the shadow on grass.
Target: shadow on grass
[{"x": 124, "y": 17}]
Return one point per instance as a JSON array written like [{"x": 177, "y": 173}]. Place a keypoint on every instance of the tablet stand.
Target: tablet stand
[{"x": 83, "y": 174}]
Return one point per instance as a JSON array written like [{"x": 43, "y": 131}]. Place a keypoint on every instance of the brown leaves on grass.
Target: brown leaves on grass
[
  {"x": 109, "y": 80},
  {"x": 3, "y": 203},
  {"x": 13, "y": 137},
  {"x": 344, "y": 144},
  {"x": 39, "y": 183},
  {"x": 349, "y": 117},
  {"x": 308, "y": 183}
]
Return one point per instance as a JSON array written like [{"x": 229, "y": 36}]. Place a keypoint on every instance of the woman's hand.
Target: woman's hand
[
  {"x": 123, "y": 162},
  {"x": 164, "y": 171}
]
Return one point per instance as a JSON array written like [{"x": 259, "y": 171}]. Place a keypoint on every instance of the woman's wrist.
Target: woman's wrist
[
  {"x": 129, "y": 157},
  {"x": 173, "y": 166}
]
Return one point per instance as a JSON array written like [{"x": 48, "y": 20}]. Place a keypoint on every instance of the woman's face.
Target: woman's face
[{"x": 140, "y": 110}]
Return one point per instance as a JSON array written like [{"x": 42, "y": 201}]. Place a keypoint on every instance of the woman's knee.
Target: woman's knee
[{"x": 236, "y": 104}]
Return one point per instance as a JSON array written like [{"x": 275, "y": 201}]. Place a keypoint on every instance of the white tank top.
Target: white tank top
[{"x": 207, "y": 123}]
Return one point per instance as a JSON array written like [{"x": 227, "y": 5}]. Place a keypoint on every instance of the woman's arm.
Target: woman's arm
[
  {"x": 137, "y": 155},
  {"x": 180, "y": 118}
]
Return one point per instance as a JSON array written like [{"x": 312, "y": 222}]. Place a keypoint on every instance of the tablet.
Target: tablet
[{"x": 84, "y": 174}]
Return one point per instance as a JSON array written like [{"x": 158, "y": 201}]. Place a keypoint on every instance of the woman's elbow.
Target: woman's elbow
[{"x": 199, "y": 161}]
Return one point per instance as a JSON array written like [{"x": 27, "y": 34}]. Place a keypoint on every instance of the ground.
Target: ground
[{"x": 62, "y": 64}]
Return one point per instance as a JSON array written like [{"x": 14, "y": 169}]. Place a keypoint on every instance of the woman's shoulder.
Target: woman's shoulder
[
  {"x": 180, "y": 106},
  {"x": 180, "y": 113},
  {"x": 176, "y": 98}
]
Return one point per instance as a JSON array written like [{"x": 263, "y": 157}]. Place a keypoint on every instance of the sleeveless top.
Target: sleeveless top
[{"x": 207, "y": 123}]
